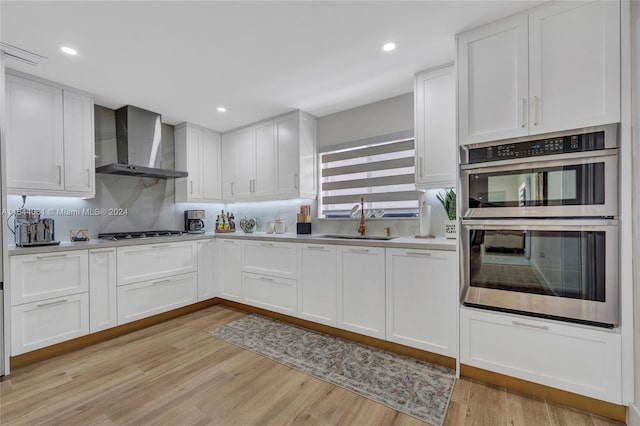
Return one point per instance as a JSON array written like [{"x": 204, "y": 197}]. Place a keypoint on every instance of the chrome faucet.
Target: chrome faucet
[{"x": 362, "y": 228}]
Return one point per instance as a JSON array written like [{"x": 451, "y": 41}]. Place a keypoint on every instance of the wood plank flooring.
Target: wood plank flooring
[{"x": 174, "y": 373}]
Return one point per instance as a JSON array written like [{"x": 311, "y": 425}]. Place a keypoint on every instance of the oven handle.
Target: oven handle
[
  {"x": 541, "y": 161},
  {"x": 537, "y": 224}
]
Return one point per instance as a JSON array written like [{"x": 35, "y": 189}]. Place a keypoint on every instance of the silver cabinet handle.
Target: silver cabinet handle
[
  {"x": 162, "y": 281},
  {"x": 251, "y": 186},
  {"x": 523, "y": 113},
  {"x": 536, "y": 110},
  {"x": 420, "y": 253},
  {"x": 266, "y": 279},
  {"x": 57, "y": 302},
  {"x": 266, "y": 244},
  {"x": 59, "y": 175},
  {"x": 102, "y": 250},
  {"x": 88, "y": 178},
  {"x": 229, "y": 241},
  {"x": 162, "y": 246},
  {"x": 296, "y": 181},
  {"x": 359, "y": 250},
  {"x": 191, "y": 184},
  {"x": 421, "y": 166},
  {"x": 231, "y": 188},
  {"x": 522, "y": 324},
  {"x": 315, "y": 247},
  {"x": 51, "y": 256}
]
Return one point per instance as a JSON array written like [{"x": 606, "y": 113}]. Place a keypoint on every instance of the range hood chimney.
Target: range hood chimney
[{"x": 139, "y": 148}]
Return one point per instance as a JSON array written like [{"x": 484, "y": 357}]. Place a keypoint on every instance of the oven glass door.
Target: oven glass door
[
  {"x": 565, "y": 270},
  {"x": 565, "y": 188}
]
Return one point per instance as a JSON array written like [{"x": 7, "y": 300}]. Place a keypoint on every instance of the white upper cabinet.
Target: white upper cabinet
[
  {"x": 493, "y": 81},
  {"x": 574, "y": 65},
  {"x": 197, "y": 152},
  {"x": 50, "y": 139},
  {"x": 435, "y": 128},
  {"x": 554, "y": 68},
  {"x": 273, "y": 159}
]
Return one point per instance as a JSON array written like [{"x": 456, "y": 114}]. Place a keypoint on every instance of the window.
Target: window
[{"x": 383, "y": 173}]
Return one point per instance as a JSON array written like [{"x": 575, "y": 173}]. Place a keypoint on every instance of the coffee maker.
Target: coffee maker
[
  {"x": 193, "y": 222},
  {"x": 30, "y": 230}
]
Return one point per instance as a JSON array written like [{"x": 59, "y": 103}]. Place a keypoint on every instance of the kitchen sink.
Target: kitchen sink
[{"x": 356, "y": 237}]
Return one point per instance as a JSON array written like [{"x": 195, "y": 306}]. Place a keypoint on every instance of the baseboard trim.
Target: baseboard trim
[
  {"x": 633, "y": 415},
  {"x": 592, "y": 405},
  {"x": 348, "y": 335},
  {"x": 93, "y": 338}
]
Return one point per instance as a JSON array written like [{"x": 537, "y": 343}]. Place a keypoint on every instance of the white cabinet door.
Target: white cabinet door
[
  {"x": 79, "y": 162},
  {"x": 102, "y": 289},
  {"x": 361, "y": 290},
  {"x": 422, "y": 303},
  {"x": 194, "y": 163},
  {"x": 288, "y": 160},
  {"x": 435, "y": 128},
  {"x": 577, "y": 359},
  {"x": 493, "y": 81},
  {"x": 574, "y": 65},
  {"x": 150, "y": 261},
  {"x": 272, "y": 293},
  {"x": 317, "y": 283},
  {"x": 36, "y": 277},
  {"x": 206, "y": 269},
  {"x": 211, "y": 166},
  {"x": 270, "y": 258},
  {"x": 243, "y": 164},
  {"x": 34, "y": 136},
  {"x": 39, "y": 324},
  {"x": 264, "y": 148},
  {"x": 141, "y": 300},
  {"x": 230, "y": 269},
  {"x": 228, "y": 165}
]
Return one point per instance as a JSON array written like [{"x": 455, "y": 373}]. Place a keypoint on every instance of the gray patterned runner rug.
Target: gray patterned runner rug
[{"x": 413, "y": 387}]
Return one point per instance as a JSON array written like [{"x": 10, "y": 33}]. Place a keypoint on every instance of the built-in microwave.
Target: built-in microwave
[
  {"x": 565, "y": 174},
  {"x": 560, "y": 269}
]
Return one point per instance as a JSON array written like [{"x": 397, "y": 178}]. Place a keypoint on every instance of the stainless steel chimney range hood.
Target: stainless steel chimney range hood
[{"x": 139, "y": 145}]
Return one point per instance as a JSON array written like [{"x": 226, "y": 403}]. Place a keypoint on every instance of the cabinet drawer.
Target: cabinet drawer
[
  {"x": 151, "y": 261},
  {"x": 274, "y": 294},
  {"x": 141, "y": 300},
  {"x": 576, "y": 359},
  {"x": 40, "y": 324},
  {"x": 44, "y": 276},
  {"x": 276, "y": 259}
]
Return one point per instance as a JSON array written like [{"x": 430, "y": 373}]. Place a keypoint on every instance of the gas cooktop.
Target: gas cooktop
[{"x": 115, "y": 236}]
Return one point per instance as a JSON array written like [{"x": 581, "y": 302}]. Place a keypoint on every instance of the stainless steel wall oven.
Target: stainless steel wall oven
[{"x": 539, "y": 226}]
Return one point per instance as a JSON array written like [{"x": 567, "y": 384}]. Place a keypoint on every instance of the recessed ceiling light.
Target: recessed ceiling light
[
  {"x": 221, "y": 109},
  {"x": 69, "y": 50},
  {"x": 388, "y": 47}
]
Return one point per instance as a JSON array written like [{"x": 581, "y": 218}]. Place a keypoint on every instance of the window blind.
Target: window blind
[{"x": 384, "y": 174}]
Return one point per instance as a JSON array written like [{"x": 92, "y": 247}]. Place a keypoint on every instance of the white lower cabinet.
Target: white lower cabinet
[
  {"x": 103, "y": 310},
  {"x": 36, "y": 277},
  {"x": 421, "y": 298},
  {"x": 361, "y": 290},
  {"x": 44, "y": 323},
  {"x": 317, "y": 283},
  {"x": 272, "y": 293},
  {"x": 230, "y": 269},
  {"x": 577, "y": 359},
  {"x": 143, "y": 299},
  {"x": 206, "y": 269},
  {"x": 270, "y": 258},
  {"x": 150, "y": 261}
]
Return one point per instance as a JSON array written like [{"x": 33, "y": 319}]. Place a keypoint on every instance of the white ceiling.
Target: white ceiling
[{"x": 259, "y": 59}]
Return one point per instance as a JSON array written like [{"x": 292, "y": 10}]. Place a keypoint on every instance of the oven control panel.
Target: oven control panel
[{"x": 549, "y": 146}]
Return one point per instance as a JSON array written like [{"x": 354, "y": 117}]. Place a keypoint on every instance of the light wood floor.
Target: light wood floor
[{"x": 174, "y": 373}]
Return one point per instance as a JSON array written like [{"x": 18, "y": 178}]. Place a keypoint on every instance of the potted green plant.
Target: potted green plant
[{"x": 448, "y": 201}]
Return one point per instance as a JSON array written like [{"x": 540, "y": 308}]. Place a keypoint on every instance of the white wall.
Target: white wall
[{"x": 379, "y": 118}]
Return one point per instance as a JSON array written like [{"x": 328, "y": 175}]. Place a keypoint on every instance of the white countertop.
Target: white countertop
[{"x": 399, "y": 242}]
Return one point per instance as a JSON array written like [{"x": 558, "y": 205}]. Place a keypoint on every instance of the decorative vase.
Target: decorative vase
[{"x": 450, "y": 229}]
